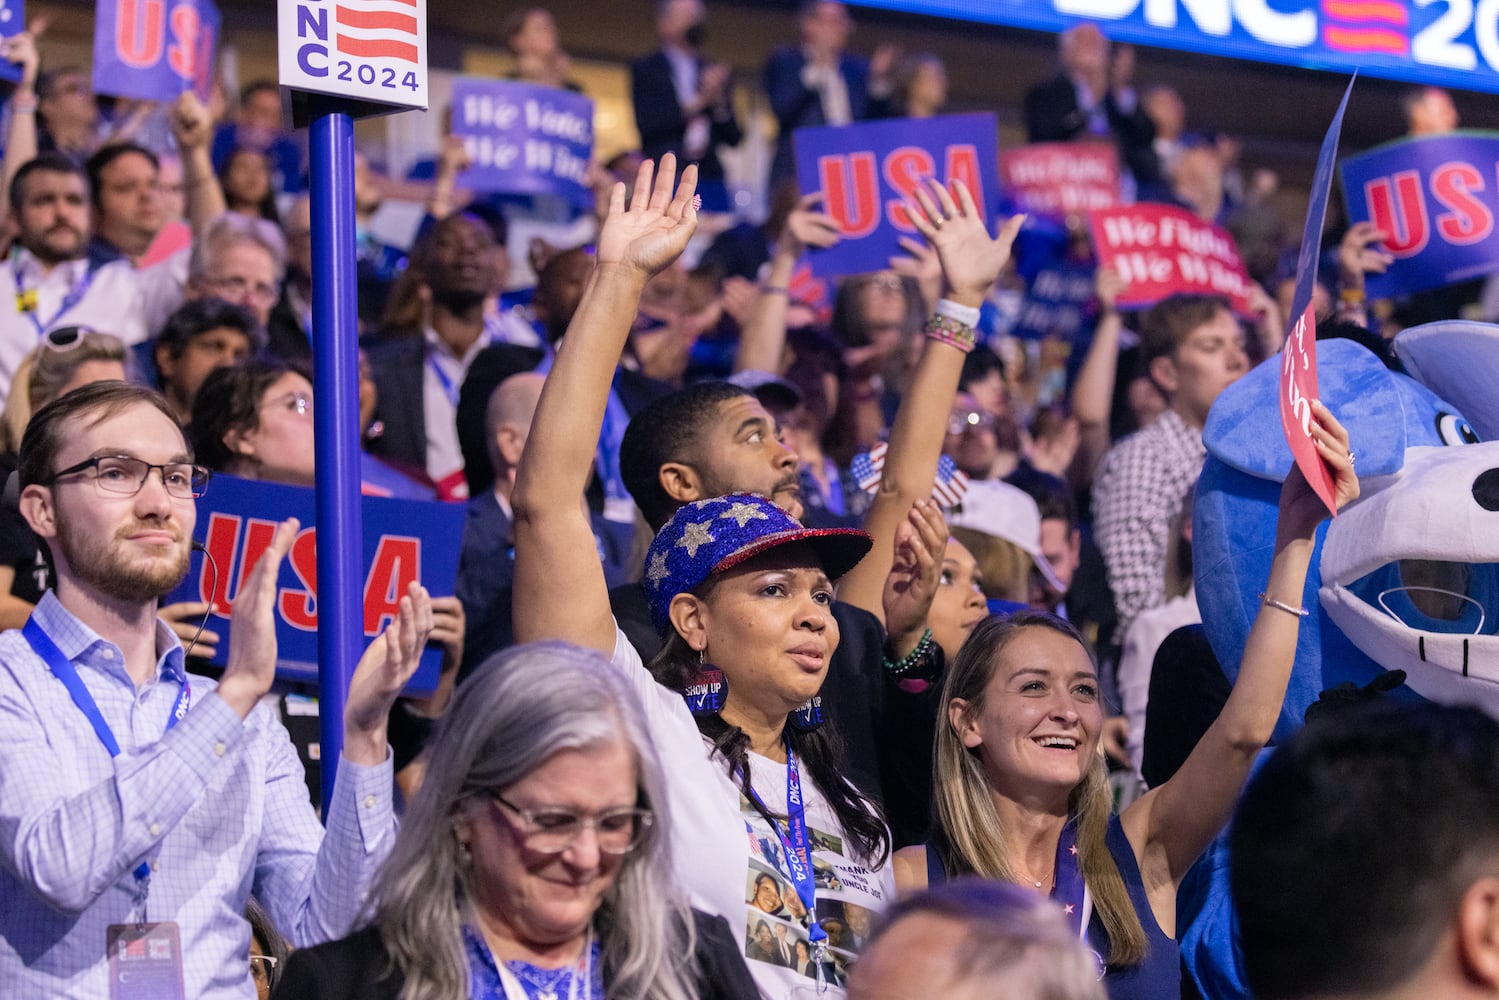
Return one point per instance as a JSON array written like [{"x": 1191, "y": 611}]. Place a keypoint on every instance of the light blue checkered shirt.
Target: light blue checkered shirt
[{"x": 217, "y": 806}]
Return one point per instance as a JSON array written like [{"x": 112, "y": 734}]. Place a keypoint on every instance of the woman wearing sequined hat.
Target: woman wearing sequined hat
[{"x": 744, "y": 593}]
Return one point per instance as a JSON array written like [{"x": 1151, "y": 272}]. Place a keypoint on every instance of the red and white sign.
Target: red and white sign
[
  {"x": 1061, "y": 178},
  {"x": 1298, "y": 387},
  {"x": 1161, "y": 250}
]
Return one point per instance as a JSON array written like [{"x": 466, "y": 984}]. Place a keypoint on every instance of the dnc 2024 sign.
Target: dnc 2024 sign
[
  {"x": 365, "y": 50},
  {"x": 1450, "y": 42}
]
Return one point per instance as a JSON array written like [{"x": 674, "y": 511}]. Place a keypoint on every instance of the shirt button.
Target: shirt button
[
  {"x": 369, "y": 802},
  {"x": 219, "y": 749},
  {"x": 155, "y": 829},
  {"x": 109, "y": 654}
]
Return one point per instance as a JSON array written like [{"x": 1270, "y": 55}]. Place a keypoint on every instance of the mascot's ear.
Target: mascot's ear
[
  {"x": 1243, "y": 428},
  {"x": 1456, "y": 360}
]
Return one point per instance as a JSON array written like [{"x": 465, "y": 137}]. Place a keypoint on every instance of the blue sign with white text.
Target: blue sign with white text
[
  {"x": 1452, "y": 43},
  {"x": 1433, "y": 198},
  {"x": 404, "y": 540},
  {"x": 12, "y": 22},
  {"x": 867, "y": 171},
  {"x": 154, "y": 50},
  {"x": 524, "y": 139}
]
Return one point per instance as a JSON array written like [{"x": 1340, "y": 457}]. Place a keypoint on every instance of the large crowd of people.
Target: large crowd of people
[{"x": 803, "y": 632}]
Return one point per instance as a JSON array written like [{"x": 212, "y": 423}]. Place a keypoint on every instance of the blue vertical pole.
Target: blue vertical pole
[{"x": 335, "y": 348}]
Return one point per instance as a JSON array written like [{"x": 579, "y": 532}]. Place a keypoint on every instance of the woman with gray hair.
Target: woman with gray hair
[{"x": 532, "y": 864}]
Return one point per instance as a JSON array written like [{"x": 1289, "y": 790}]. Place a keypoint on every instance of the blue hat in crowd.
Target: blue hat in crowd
[{"x": 710, "y": 536}]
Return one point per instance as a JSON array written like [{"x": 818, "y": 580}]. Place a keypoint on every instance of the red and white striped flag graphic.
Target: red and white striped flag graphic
[{"x": 377, "y": 29}]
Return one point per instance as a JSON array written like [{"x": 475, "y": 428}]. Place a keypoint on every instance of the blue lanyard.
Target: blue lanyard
[
  {"x": 75, "y": 295},
  {"x": 796, "y": 844},
  {"x": 62, "y": 668},
  {"x": 607, "y": 455},
  {"x": 448, "y": 388}
]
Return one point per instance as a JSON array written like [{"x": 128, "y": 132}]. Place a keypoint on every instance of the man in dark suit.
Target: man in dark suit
[
  {"x": 418, "y": 372},
  {"x": 486, "y": 563},
  {"x": 820, "y": 84},
  {"x": 682, "y": 103},
  {"x": 1094, "y": 96}
]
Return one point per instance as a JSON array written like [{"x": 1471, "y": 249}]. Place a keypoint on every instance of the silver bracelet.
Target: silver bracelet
[{"x": 1290, "y": 609}]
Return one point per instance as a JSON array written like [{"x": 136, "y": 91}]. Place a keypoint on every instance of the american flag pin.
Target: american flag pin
[{"x": 697, "y": 202}]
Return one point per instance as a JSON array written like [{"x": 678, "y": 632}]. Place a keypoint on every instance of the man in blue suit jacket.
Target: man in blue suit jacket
[
  {"x": 682, "y": 101},
  {"x": 820, "y": 84}
]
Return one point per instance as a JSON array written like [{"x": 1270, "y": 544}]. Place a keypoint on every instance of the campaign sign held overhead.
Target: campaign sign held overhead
[
  {"x": 155, "y": 50},
  {"x": 524, "y": 139},
  {"x": 1434, "y": 200},
  {"x": 865, "y": 173},
  {"x": 12, "y": 22},
  {"x": 365, "y": 50}
]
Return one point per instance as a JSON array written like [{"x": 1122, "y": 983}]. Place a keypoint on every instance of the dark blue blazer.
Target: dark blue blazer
[
  {"x": 797, "y": 107},
  {"x": 663, "y": 127}
]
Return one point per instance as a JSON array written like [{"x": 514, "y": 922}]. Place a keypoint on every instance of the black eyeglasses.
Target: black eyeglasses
[
  {"x": 126, "y": 476},
  {"x": 552, "y": 831}
]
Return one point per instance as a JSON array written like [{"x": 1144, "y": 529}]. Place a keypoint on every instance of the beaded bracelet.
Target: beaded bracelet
[
  {"x": 901, "y": 667},
  {"x": 946, "y": 330}
]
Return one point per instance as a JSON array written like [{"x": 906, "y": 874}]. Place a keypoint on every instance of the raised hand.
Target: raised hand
[
  {"x": 1108, "y": 285},
  {"x": 920, "y": 262},
  {"x": 1358, "y": 255},
  {"x": 382, "y": 672},
  {"x": 920, "y": 542},
  {"x": 971, "y": 261},
  {"x": 1301, "y": 510},
  {"x": 652, "y": 233},
  {"x": 808, "y": 227},
  {"x": 252, "y": 644},
  {"x": 191, "y": 123},
  {"x": 21, "y": 50}
]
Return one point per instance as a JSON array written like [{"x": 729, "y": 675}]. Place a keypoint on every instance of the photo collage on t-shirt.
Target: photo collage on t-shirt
[{"x": 777, "y": 922}]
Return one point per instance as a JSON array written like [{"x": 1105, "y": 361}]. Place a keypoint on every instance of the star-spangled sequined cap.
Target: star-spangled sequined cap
[{"x": 709, "y": 536}]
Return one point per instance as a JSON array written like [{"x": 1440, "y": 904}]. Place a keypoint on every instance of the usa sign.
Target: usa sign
[
  {"x": 1435, "y": 199},
  {"x": 404, "y": 540},
  {"x": 866, "y": 172},
  {"x": 155, "y": 50},
  {"x": 1454, "y": 43},
  {"x": 366, "y": 50},
  {"x": 12, "y": 22}
]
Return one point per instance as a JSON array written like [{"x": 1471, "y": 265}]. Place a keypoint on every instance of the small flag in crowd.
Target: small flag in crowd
[{"x": 948, "y": 490}]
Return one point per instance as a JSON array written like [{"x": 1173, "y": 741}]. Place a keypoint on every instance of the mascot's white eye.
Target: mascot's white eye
[{"x": 1453, "y": 429}]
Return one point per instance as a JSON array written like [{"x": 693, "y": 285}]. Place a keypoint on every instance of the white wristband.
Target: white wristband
[{"x": 967, "y": 315}]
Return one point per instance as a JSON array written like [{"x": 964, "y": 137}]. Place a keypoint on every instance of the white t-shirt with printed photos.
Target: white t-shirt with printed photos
[{"x": 731, "y": 861}]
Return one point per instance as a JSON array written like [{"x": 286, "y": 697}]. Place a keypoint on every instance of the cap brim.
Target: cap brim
[
  {"x": 837, "y": 549},
  {"x": 1050, "y": 574}
]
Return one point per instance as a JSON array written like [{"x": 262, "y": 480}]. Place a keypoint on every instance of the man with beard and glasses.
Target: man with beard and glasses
[
  {"x": 141, "y": 806},
  {"x": 52, "y": 280},
  {"x": 418, "y": 376}
]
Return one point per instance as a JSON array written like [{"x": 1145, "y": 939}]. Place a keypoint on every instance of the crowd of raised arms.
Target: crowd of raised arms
[{"x": 809, "y": 638}]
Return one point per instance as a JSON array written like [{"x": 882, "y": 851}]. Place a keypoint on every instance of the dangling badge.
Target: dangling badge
[{"x": 145, "y": 962}]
